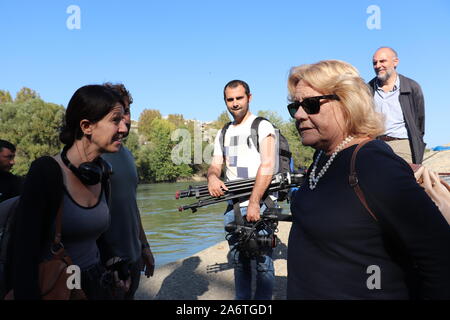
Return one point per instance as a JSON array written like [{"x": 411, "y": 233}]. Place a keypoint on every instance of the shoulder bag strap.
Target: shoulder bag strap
[
  {"x": 58, "y": 227},
  {"x": 353, "y": 179},
  {"x": 58, "y": 219}
]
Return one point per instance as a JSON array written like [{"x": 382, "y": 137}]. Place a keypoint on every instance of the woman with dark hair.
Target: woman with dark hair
[{"x": 93, "y": 125}]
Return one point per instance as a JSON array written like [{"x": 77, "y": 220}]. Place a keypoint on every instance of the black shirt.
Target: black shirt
[{"x": 10, "y": 185}]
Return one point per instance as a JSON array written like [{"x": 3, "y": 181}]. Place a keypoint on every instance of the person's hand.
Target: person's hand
[
  {"x": 428, "y": 180},
  {"x": 149, "y": 262},
  {"x": 253, "y": 212},
  {"x": 122, "y": 284},
  {"x": 216, "y": 187},
  {"x": 120, "y": 271},
  {"x": 436, "y": 190}
]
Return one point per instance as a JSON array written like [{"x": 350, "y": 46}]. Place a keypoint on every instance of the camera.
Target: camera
[{"x": 253, "y": 239}]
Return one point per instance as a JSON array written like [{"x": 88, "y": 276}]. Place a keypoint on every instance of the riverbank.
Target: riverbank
[
  {"x": 438, "y": 161},
  {"x": 194, "y": 178},
  {"x": 208, "y": 275}
]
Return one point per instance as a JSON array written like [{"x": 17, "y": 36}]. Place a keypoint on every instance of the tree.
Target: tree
[
  {"x": 272, "y": 117},
  {"x": 145, "y": 120},
  {"x": 302, "y": 155},
  {"x": 177, "y": 120},
  {"x": 143, "y": 164},
  {"x": 33, "y": 126},
  {"x": 155, "y": 163},
  {"x": 132, "y": 143},
  {"x": 5, "y": 97},
  {"x": 25, "y": 94},
  {"x": 222, "y": 120}
]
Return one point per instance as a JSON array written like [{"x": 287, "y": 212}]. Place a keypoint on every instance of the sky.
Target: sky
[{"x": 176, "y": 56}]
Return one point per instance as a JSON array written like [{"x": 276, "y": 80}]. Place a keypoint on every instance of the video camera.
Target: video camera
[
  {"x": 254, "y": 239},
  {"x": 251, "y": 239}
]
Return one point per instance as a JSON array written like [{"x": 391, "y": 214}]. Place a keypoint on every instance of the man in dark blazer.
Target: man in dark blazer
[{"x": 401, "y": 100}]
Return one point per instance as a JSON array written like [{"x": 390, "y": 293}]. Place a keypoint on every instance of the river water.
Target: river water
[
  {"x": 176, "y": 235},
  {"x": 172, "y": 234}
]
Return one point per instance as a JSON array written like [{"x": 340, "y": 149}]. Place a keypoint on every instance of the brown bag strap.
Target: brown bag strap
[
  {"x": 58, "y": 226},
  {"x": 353, "y": 179}
]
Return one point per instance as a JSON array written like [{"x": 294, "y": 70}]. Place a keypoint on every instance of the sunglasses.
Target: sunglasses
[{"x": 311, "y": 105}]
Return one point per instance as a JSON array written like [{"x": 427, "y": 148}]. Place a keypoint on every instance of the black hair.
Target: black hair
[
  {"x": 234, "y": 84},
  {"x": 7, "y": 145},
  {"x": 122, "y": 90},
  {"x": 91, "y": 102}
]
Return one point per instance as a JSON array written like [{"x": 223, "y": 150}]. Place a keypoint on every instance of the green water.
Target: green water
[
  {"x": 175, "y": 235},
  {"x": 172, "y": 234}
]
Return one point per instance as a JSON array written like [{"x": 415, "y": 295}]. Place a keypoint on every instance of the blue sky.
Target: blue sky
[{"x": 176, "y": 56}]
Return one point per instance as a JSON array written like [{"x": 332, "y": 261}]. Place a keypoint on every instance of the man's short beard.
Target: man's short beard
[{"x": 386, "y": 76}]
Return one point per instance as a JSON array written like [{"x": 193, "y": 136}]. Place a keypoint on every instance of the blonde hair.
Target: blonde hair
[{"x": 341, "y": 78}]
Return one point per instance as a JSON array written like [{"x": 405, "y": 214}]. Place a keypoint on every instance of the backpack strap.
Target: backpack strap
[
  {"x": 254, "y": 131},
  {"x": 254, "y": 136},
  {"x": 222, "y": 137},
  {"x": 353, "y": 179}
]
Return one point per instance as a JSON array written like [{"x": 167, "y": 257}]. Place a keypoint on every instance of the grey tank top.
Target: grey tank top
[{"x": 81, "y": 227}]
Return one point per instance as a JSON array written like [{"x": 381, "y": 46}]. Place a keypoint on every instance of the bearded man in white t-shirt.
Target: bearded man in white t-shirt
[{"x": 242, "y": 161}]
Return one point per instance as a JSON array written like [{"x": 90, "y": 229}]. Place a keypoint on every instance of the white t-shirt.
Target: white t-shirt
[{"x": 242, "y": 159}]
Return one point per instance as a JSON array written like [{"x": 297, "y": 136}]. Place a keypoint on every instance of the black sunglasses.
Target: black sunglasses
[{"x": 311, "y": 105}]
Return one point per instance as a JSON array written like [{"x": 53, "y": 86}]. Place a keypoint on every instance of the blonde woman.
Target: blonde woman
[{"x": 337, "y": 250}]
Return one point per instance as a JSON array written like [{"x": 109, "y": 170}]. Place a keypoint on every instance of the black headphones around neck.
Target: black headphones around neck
[{"x": 89, "y": 173}]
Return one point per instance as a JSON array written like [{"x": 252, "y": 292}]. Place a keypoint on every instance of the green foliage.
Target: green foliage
[
  {"x": 145, "y": 121},
  {"x": 33, "y": 126},
  {"x": 5, "y": 97},
  {"x": 143, "y": 164},
  {"x": 154, "y": 161},
  {"x": 222, "y": 120},
  {"x": 177, "y": 120},
  {"x": 132, "y": 143},
  {"x": 272, "y": 117},
  {"x": 25, "y": 94},
  {"x": 302, "y": 155}
]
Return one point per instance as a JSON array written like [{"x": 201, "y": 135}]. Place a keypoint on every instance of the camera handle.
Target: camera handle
[
  {"x": 237, "y": 212},
  {"x": 239, "y": 219}
]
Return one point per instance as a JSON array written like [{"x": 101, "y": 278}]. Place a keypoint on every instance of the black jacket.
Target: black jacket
[
  {"x": 10, "y": 185},
  {"x": 413, "y": 108}
]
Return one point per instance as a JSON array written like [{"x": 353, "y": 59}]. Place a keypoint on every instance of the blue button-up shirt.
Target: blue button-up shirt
[{"x": 388, "y": 104}]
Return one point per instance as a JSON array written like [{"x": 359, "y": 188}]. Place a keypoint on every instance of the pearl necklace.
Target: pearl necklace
[{"x": 313, "y": 179}]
